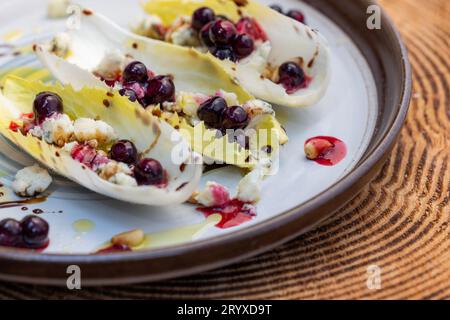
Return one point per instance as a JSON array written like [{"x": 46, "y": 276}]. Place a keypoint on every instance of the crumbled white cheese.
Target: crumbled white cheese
[
  {"x": 190, "y": 102},
  {"x": 123, "y": 179},
  {"x": 258, "y": 107},
  {"x": 190, "y": 108},
  {"x": 58, "y": 130},
  {"x": 60, "y": 44},
  {"x": 31, "y": 181},
  {"x": 68, "y": 147},
  {"x": 148, "y": 26},
  {"x": 259, "y": 57},
  {"x": 36, "y": 132},
  {"x": 86, "y": 130},
  {"x": 150, "y": 20},
  {"x": 112, "y": 64},
  {"x": 58, "y": 8},
  {"x": 185, "y": 36},
  {"x": 230, "y": 97},
  {"x": 171, "y": 107},
  {"x": 214, "y": 194},
  {"x": 249, "y": 188},
  {"x": 112, "y": 168}
]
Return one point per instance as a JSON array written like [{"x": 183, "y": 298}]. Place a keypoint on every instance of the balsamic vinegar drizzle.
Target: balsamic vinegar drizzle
[{"x": 18, "y": 203}]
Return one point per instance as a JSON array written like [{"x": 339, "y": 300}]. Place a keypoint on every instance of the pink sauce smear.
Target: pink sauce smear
[
  {"x": 88, "y": 156},
  {"x": 251, "y": 27},
  {"x": 333, "y": 155},
  {"x": 234, "y": 213}
]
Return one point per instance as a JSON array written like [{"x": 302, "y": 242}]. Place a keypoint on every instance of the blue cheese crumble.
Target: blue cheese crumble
[{"x": 31, "y": 181}]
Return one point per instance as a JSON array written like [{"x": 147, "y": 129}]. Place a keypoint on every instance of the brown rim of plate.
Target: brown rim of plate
[{"x": 388, "y": 59}]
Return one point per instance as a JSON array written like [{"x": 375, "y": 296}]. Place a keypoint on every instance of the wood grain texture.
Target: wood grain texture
[{"x": 400, "y": 222}]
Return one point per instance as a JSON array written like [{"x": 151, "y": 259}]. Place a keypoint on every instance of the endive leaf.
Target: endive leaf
[
  {"x": 152, "y": 137},
  {"x": 220, "y": 150},
  {"x": 289, "y": 40},
  {"x": 193, "y": 72},
  {"x": 170, "y": 10}
]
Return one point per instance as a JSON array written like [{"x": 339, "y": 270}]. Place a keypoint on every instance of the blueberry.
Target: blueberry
[
  {"x": 291, "y": 75},
  {"x": 222, "y": 32},
  {"x": 235, "y": 118},
  {"x": 224, "y": 53},
  {"x": 243, "y": 45},
  {"x": 135, "y": 72},
  {"x": 149, "y": 172},
  {"x": 160, "y": 89},
  {"x": 131, "y": 94},
  {"x": 201, "y": 17},
  {"x": 47, "y": 104},
  {"x": 35, "y": 232},
  {"x": 124, "y": 151},
  {"x": 10, "y": 233},
  {"x": 212, "y": 112},
  {"x": 296, "y": 15},
  {"x": 204, "y": 35}
]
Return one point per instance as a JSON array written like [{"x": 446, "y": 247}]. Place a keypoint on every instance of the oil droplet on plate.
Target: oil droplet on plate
[
  {"x": 167, "y": 238},
  {"x": 180, "y": 235},
  {"x": 83, "y": 226},
  {"x": 13, "y": 35}
]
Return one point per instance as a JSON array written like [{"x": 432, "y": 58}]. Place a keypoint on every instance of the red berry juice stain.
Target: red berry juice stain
[
  {"x": 233, "y": 213},
  {"x": 251, "y": 27},
  {"x": 114, "y": 248},
  {"x": 332, "y": 155},
  {"x": 14, "y": 126},
  {"x": 293, "y": 89}
]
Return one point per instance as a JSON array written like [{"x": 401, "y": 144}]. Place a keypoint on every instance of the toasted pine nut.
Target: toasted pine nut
[
  {"x": 131, "y": 238},
  {"x": 192, "y": 199}
]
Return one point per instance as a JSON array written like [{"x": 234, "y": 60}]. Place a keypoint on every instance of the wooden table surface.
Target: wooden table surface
[{"x": 399, "y": 223}]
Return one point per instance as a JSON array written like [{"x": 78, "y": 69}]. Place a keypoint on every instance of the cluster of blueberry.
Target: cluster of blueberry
[
  {"x": 223, "y": 38},
  {"x": 216, "y": 114},
  {"x": 140, "y": 85},
  {"x": 226, "y": 40},
  {"x": 30, "y": 233},
  {"x": 146, "y": 171}
]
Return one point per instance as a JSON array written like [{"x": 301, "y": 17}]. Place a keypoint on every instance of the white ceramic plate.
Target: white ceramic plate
[{"x": 348, "y": 111}]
